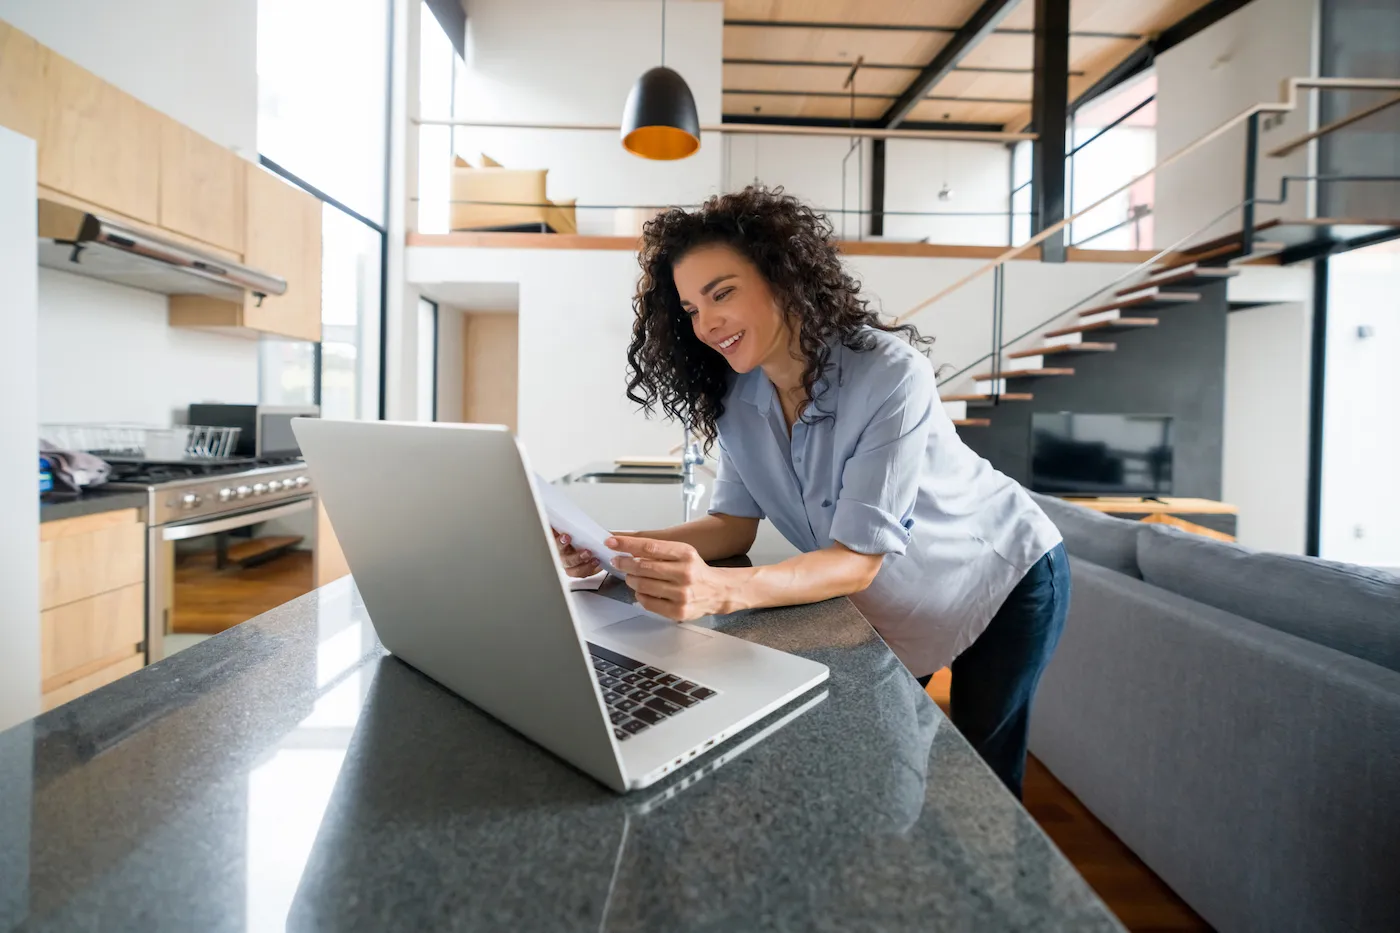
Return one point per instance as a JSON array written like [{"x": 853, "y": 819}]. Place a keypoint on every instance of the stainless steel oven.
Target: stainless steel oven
[{"x": 202, "y": 514}]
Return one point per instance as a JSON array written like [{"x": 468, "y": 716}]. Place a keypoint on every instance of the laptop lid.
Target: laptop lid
[{"x": 453, "y": 556}]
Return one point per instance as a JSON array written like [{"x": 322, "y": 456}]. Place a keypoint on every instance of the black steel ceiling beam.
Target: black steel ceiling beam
[
  {"x": 1050, "y": 114},
  {"x": 979, "y": 25},
  {"x": 904, "y": 27}
]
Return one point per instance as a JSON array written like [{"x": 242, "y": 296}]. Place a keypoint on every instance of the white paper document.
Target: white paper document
[{"x": 573, "y": 521}]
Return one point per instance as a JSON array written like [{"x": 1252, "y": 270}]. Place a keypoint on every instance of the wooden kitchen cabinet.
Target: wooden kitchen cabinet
[
  {"x": 282, "y": 236},
  {"x": 95, "y": 142},
  {"x": 92, "y": 601},
  {"x": 202, "y": 187}
]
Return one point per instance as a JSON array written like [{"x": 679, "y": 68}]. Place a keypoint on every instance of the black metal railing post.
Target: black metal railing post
[
  {"x": 1251, "y": 168},
  {"x": 998, "y": 324}
]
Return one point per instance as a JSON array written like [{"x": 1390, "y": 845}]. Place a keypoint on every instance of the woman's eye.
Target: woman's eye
[{"x": 722, "y": 294}]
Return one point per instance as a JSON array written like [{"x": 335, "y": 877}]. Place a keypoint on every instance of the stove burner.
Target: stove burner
[{"x": 152, "y": 472}]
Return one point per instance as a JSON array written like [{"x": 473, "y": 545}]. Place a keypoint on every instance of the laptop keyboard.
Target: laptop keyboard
[{"x": 638, "y": 695}]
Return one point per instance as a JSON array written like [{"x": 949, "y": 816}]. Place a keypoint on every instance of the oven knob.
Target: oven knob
[
  {"x": 302, "y": 482},
  {"x": 274, "y": 485},
  {"x": 225, "y": 494},
  {"x": 259, "y": 488},
  {"x": 190, "y": 500},
  {"x": 243, "y": 492}
]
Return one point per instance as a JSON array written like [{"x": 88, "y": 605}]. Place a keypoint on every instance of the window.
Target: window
[
  {"x": 323, "y": 95},
  {"x": 436, "y": 89},
  {"x": 323, "y": 92},
  {"x": 1113, "y": 139},
  {"x": 350, "y": 302}
]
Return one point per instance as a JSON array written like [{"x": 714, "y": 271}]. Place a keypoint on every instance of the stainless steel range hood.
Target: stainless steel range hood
[{"x": 74, "y": 240}]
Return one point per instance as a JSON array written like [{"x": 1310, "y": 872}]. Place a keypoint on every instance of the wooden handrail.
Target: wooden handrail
[
  {"x": 1347, "y": 120},
  {"x": 1289, "y": 91}
]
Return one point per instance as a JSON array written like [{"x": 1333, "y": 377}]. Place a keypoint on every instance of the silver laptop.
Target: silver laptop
[{"x": 453, "y": 556}]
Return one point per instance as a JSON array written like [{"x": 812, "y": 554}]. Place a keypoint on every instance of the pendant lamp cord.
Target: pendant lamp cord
[{"x": 663, "y": 33}]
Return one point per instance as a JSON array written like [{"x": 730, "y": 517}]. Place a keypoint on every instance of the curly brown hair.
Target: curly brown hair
[{"x": 794, "y": 248}]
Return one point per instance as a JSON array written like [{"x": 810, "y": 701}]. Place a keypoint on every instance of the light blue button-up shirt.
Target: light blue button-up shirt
[{"x": 886, "y": 473}]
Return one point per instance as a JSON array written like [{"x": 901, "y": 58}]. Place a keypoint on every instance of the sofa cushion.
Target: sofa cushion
[
  {"x": 1108, "y": 542},
  {"x": 1342, "y": 606}
]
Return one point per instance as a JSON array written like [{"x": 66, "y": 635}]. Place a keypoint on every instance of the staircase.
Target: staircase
[{"x": 1177, "y": 284}]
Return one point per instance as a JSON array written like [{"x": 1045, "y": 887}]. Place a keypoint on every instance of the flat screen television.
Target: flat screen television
[{"x": 1101, "y": 455}]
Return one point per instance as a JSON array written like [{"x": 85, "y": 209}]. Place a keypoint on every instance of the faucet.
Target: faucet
[
  {"x": 691, "y": 454},
  {"x": 691, "y": 457}
]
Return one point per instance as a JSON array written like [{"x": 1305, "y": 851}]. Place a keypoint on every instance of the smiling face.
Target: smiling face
[{"x": 731, "y": 306}]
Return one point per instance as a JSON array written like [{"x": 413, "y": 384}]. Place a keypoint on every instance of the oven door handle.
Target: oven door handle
[{"x": 241, "y": 520}]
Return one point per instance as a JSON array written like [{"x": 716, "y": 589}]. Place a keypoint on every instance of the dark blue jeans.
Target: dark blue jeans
[{"x": 994, "y": 680}]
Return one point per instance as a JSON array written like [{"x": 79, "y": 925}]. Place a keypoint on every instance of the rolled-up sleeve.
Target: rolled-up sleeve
[
  {"x": 880, "y": 480},
  {"x": 731, "y": 496}
]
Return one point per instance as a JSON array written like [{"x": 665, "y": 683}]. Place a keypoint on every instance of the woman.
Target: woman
[{"x": 828, "y": 423}]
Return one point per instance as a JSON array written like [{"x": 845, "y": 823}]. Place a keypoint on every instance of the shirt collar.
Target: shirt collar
[{"x": 754, "y": 387}]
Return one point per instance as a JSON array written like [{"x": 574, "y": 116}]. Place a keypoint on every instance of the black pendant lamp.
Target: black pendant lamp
[{"x": 660, "y": 120}]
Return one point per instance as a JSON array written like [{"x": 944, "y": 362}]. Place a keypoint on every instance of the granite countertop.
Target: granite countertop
[
  {"x": 288, "y": 773},
  {"x": 90, "y": 503}
]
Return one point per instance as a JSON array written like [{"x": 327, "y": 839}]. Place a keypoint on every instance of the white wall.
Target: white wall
[
  {"x": 572, "y": 62},
  {"x": 1265, "y": 469},
  {"x": 193, "y": 60},
  {"x": 978, "y": 174},
  {"x": 808, "y": 167},
  {"x": 106, "y": 353},
  {"x": 1211, "y": 77},
  {"x": 19, "y": 494},
  {"x": 576, "y": 315},
  {"x": 1267, "y": 371},
  {"x": 450, "y": 347},
  {"x": 1361, "y": 420}
]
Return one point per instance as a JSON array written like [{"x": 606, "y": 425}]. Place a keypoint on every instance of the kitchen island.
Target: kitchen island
[{"x": 288, "y": 773}]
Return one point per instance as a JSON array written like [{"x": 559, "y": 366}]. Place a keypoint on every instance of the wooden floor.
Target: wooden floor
[
  {"x": 1140, "y": 900},
  {"x": 207, "y": 600}
]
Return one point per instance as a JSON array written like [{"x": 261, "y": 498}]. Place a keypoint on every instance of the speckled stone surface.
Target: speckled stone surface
[
  {"x": 90, "y": 503},
  {"x": 289, "y": 774}
]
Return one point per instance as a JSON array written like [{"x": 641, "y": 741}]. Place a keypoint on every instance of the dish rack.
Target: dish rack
[{"x": 182, "y": 442}]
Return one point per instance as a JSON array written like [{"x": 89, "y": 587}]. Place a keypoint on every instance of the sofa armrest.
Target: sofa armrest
[{"x": 1255, "y": 772}]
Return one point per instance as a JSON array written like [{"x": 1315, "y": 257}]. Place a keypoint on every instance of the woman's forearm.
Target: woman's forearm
[
  {"x": 806, "y": 578},
  {"x": 714, "y": 537}
]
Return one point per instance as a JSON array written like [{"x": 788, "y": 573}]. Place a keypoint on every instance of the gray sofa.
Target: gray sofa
[{"x": 1234, "y": 717}]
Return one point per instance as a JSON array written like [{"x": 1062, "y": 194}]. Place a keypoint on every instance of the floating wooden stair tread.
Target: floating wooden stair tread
[
  {"x": 1189, "y": 274},
  {"x": 1226, "y": 242},
  {"x": 1064, "y": 348},
  {"x": 972, "y": 422},
  {"x": 1104, "y": 325},
  {"x": 975, "y": 399},
  {"x": 1026, "y": 373},
  {"x": 1198, "y": 258},
  {"x": 1145, "y": 302}
]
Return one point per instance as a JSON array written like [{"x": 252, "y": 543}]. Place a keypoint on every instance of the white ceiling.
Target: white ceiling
[{"x": 476, "y": 297}]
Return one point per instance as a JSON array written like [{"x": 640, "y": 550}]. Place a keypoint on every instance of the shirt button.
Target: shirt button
[
  {"x": 826, "y": 503},
  {"x": 798, "y": 458}
]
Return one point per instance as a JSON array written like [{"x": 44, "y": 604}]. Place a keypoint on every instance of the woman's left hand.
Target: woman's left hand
[{"x": 670, "y": 579}]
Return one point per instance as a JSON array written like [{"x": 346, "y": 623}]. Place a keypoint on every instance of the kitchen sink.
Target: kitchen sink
[{"x": 674, "y": 478}]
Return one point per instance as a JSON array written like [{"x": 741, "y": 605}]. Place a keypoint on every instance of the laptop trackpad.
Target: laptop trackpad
[{"x": 658, "y": 637}]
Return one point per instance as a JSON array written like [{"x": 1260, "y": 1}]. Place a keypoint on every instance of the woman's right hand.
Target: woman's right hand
[{"x": 577, "y": 563}]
